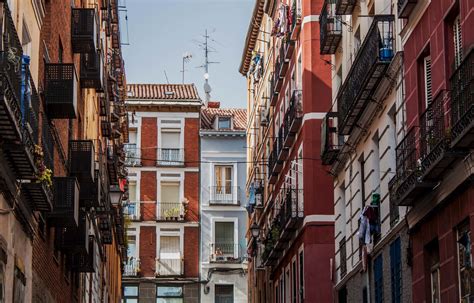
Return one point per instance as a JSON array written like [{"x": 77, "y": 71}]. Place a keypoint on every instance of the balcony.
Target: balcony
[
  {"x": 407, "y": 184},
  {"x": 89, "y": 193},
  {"x": 435, "y": 154},
  {"x": 275, "y": 86},
  {"x": 106, "y": 237},
  {"x": 103, "y": 222},
  {"x": 367, "y": 71},
  {"x": 104, "y": 106},
  {"x": 115, "y": 36},
  {"x": 256, "y": 193},
  {"x": 170, "y": 211},
  {"x": 225, "y": 253},
  {"x": 169, "y": 267},
  {"x": 293, "y": 118},
  {"x": 462, "y": 103},
  {"x": 84, "y": 261},
  {"x": 105, "y": 127},
  {"x": 296, "y": 19},
  {"x": 81, "y": 160},
  {"x": 345, "y": 7},
  {"x": 330, "y": 29},
  {"x": 112, "y": 165},
  {"x": 92, "y": 69},
  {"x": 132, "y": 210},
  {"x": 132, "y": 155},
  {"x": 38, "y": 194},
  {"x": 405, "y": 7},
  {"x": 330, "y": 144},
  {"x": 283, "y": 61},
  {"x": 170, "y": 157},
  {"x": 84, "y": 30},
  {"x": 274, "y": 167},
  {"x": 283, "y": 151},
  {"x": 74, "y": 239},
  {"x": 60, "y": 90},
  {"x": 224, "y": 195},
  {"x": 131, "y": 268},
  {"x": 291, "y": 212}
]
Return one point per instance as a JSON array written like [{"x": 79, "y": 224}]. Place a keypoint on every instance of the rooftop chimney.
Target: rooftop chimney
[{"x": 214, "y": 104}]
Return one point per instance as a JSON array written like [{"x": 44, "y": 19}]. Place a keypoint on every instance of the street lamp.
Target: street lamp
[
  {"x": 255, "y": 230},
  {"x": 115, "y": 195}
]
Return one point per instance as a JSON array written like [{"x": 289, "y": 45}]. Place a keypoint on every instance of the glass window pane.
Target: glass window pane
[
  {"x": 224, "y": 237},
  {"x": 224, "y": 293},
  {"x": 131, "y": 300},
  {"x": 169, "y": 300},
  {"x": 224, "y": 123},
  {"x": 169, "y": 291},
  {"x": 130, "y": 291}
]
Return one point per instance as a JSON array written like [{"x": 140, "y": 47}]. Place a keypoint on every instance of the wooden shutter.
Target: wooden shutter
[
  {"x": 428, "y": 85},
  {"x": 457, "y": 42}
]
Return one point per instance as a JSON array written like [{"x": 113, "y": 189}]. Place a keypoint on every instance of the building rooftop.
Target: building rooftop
[
  {"x": 163, "y": 92},
  {"x": 238, "y": 118}
]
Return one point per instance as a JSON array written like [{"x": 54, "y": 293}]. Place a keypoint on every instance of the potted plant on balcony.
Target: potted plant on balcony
[
  {"x": 44, "y": 174},
  {"x": 185, "y": 203},
  {"x": 172, "y": 213}
]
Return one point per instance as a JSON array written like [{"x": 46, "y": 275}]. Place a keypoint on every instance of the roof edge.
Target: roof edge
[{"x": 251, "y": 37}]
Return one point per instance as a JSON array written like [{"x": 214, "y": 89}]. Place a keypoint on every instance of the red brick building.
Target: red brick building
[
  {"x": 435, "y": 162},
  {"x": 290, "y": 192},
  {"x": 163, "y": 163}
]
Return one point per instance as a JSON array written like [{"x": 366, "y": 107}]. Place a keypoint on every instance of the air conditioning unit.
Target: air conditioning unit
[{"x": 263, "y": 117}]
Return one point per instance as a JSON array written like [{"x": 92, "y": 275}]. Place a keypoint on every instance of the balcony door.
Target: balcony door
[
  {"x": 223, "y": 183},
  {"x": 224, "y": 246},
  {"x": 169, "y": 262},
  {"x": 170, "y": 152},
  {"x": 169, "y": 207}
]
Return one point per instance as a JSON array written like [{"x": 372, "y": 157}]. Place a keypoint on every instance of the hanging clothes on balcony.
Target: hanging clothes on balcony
[
  {"x": 283, "y": 17},
  {"x": 369, "y": 224}
]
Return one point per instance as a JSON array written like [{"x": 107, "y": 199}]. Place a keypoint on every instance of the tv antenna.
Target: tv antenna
[
  {"x": 186, "y": 58},
  {"x": 207, "y": 49}
]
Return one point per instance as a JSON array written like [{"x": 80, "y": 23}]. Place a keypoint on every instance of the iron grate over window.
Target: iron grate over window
[
  {"x": 61, "y": 90},
  {"x": 84, "y": 24},
  {"x": 66, "y": 202},
  {"x": 81, "y": 159}
]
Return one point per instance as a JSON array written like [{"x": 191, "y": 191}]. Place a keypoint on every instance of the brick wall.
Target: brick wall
[
  {"x": 191, "y": 192},
  {"x": 191, "y": 251},
  {"x": 148, "y": 193},
  {"x": 149, "y": 141},
  {"x": 147, "y": 250},
  {"x": 191, "y": 142}
]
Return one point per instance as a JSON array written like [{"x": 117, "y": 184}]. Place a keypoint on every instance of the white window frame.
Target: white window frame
[
  {"x": 235, "y": 220},
  {"x": 165, "y": 231},
  {"x": 174, "y": 126},
  {"x": 135, "y": 233},
  {"x": 234, "y": 177},
  {"x": 160, "y": 178}
]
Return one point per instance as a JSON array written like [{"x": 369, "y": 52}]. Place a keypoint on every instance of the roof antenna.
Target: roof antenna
[
  {"x": 207, "y": 49},
  {"x": 166, "y": 76}
]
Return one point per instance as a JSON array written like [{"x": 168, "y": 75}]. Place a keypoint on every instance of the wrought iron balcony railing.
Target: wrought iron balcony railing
[
  {"x": 292, "y": 209},
  {"x": 132, "y": 154},
  {"x": 369, "y": 67},
  {"x": 66, "y": 202},
  {"x": 330, "y": 140},
  {"x": 275, "y": 85},
  {"x": 170, "y": 157},
  {"x": 81, "y": 160},
  {"x": 169, "y": 266},
  {"x": 293, "y": 118},
  {"x": 296, "y": 19},
  {"x": 170, "y": 211},
  {"x": 330, "y": 28},
  {"x": 226, "y": 252},
  {"x": 224, "y": 195},
  {"x": 131, "y": 268},
  {"x": 61, "y": 90},
  {"x": 92, "y": 69},
  {"x": 462, "y": 103},
  {"x": 345, "y": 7},
  {"x": 132, "y": 210},
  {"x": 84, "y": 30},
  {"x": 112, "y": 164},
  {"x": 405, "y": 7}
]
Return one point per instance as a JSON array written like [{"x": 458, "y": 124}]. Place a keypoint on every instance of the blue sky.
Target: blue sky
[{"x": 161, "y": 31}]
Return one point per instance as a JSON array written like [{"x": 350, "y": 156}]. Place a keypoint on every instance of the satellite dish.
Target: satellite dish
[{"x": 207, "y": 88}]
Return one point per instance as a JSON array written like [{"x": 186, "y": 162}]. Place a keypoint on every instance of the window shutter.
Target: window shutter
[
  {"x": 457, "y": 42},
  {"x": 170, "y": 139},
  {"x": 428, "y": 87}
]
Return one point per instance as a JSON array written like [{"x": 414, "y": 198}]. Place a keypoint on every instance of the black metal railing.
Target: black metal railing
[
  {"x": 47, "y": 141},
  {"x": 170, "y": 211},
  {"x": 407, "y": 154},
  {"x": 92, "y": 68},
  {"x": 330, "y": 142},
  {"x": 330, "y": 28},
  {"x": 66, "y": 202},
  {"x": 224, "y": 195},
  {"x": 74, "y": 239},
  {"x": 368, "y": 69},
  {"x": 342, "y": 258},
  {"x": 345, "y": 7},
  {"x": 83, "y": 261},
  {"x": 60, "y": 90},
  {"x": 84, "y": 30},
  {"x": 293, "y": 205},
  {"x": 434, "y": 127},
  {"x": 225, "y": 252},
  {"x": 81, "y": 160},
  {"x": 405, "y": 7},
  {"x": 32, "y": 106},
  {"x": 462, "y": 102},
  {"x": 294, "y": 115}
]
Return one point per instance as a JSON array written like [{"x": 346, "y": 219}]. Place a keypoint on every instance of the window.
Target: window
[
  {"x": 466, "y": 285},
  {"x": 342, "y": 295},
  {"x": 427, "y": 79},
  {"x": 223, "y": 181},
  {"x": 26, "y": 40},
  {"x": 362, "y": 178},
  {"x": 130, "y": 294},
  {"x": 169, "y": 208},
  {"x": 301, "y": 277},
  {"x": 396, "y": 271},
  {"x": 169, "y": 294},
  {"x": 19, "y": 284},
  {"x": 224, "y": 240},
  {"x": 169, "y": 260},
  {"x": 457, "y": 42},
  {"x": 293, "y": 282},
  {"x": 342, "y": 257},
  {"x": 432, "y": 253},
  {"x": 170, "y": 142},
  {"x": 357, "y": 41},
  {"x": 378, "y": 279},
  {"x": 132, "y": 267},
  {"x": 224, "y": 293},
  {"x": 224, "y": 123}
]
